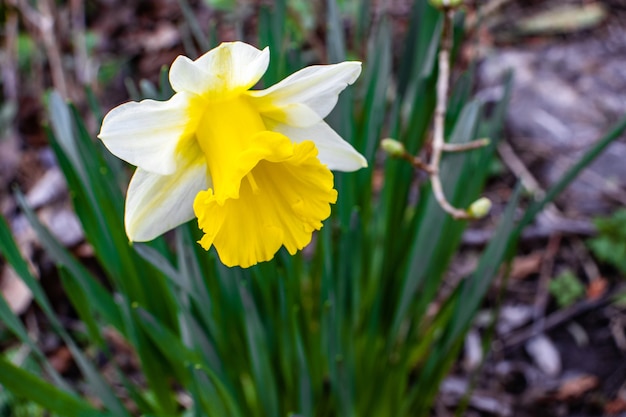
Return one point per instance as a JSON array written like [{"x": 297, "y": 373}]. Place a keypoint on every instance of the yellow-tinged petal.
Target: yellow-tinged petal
[
  {"x": 225, "y": 71},
  {"x": 334, "y": 152},
  {"x": 147, "y": 133},
  {"x": 316, "y": 88},
  {"x": 157, "y": 203},
  {"x": 282, "y": 200}
]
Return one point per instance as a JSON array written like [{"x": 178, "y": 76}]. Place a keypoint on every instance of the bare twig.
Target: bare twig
[
  {"x": 440, "y": 114},
  {"x": 517, "y": 167},
  {"x": 609, "y": 188},
  {"x": 438, "y": 145},
  {"x": 417, "y": 162},
  {"x": 468, "y": 146},
  {"x": 9, "y": 61},
  {"x": 77, "y": 10},
  {"x": 543, "y": 294},
  {"x": 586, "y": 261},
  {"x": 43, "y": 21},
  {"x": 484, "y": 11},
  {"x": 47, "y": 23},
  {"x": 551, "y": 215},
  {"x": 555, "y": 319},
  {"x": 570, "y": 227}
]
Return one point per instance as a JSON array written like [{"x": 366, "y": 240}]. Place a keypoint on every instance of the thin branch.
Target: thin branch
[
  {"x": 416, "y": 162},
  {"x": 543, "y": 292},
  {"x": 467, "y": 146},
  {"x": 438, "y": 144},
  {"x": 550, "y": 214},
  {"x": 9, "y": 63},
  {"x": 555, "y": 319},
  {"x": 82, "y": 70},
  {"x": 484, "y": 12},
  {"x": 480, "y": 207},
  {"x": 43, "y": 21}
]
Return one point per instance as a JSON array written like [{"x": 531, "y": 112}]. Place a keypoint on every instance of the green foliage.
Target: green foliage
[
  {"x": 221, "y": 4},
  {"x": 566, "y": 289},
  {"x": 10, "y": 404},
  {"x": 610, "y": 243},
  {"x": 620, "y": 299},
  {"x": 26, "y": 47},
  {"x": 341, "y": 332},
  {"x": 7, "y": 113}
]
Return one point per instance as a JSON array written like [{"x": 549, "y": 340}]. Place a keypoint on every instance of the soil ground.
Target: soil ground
[{"x": 570, "y": 85}]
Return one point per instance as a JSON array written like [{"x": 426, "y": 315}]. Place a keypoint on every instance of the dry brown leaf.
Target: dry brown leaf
[
  {"x": 597, "y": 288},
  {"x": 618, "y": 405},
  {"x": 165, "y": 36},
  {"x": 61, "y": 359},
  {"x": 125, "y": 355},
  {"x": 575, "y": 387},
  {"x": 15, "y": 292},
  {"x": 523, "y": 266},
  {"x": 564, "y": 19}
]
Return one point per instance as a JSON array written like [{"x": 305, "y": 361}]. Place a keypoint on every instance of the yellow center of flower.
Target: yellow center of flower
[{"x": 267, "y": 191}]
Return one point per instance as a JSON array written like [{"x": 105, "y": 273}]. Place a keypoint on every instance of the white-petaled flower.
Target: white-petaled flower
[{"x": 252, "y": 165}]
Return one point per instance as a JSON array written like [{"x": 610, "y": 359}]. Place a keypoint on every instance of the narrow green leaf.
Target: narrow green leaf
[
  {"x": 102, "y": 301},
  {"x": 63, "y": 127},
  {"x": 305, "y": 394},
  {"x": 82, "y": 305},
  {"x": 474, "y": 288},
  {"x": 10, "y": 251},
  {"x": 12, "y": 322},
  {"x": 162, "y": 264},
  {"x": 259, "y": 356},
  {"x": 463, "y": 307},
  {"x": 225, "y": 397},
  {"x": 169, "y": 344},
  {"x": 196, "y": 30},
  {"x": 376, "y": 77},
  {"x": 95, "y": 381},
  {"x": 32, "y": 387},
  {"x": 573, "y": 172},
  {"x": 271, "y": 30},
  {"x": 432, "y": 246},
  {"x": 335, "y": 38}
]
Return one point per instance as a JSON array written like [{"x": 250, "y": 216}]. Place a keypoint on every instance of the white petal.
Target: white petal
[
  {"x": 335, "y": 152},
  {"x": 292, "y": 114},
  {"x": 146, "y": 134},
  {"x": 186, "y": 76},
  {"x": 231, "y": 66},
  {"x": 316, "y": 87},
  {"x": 158, "y": 203}
]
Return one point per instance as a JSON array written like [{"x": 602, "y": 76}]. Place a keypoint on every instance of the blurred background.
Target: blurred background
[{"x": 568, "y": 59}]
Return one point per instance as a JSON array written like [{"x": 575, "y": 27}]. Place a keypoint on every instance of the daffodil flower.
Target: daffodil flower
[{"x": 252, "y": 165}]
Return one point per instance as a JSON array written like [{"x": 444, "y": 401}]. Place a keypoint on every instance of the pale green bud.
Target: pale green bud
[
  {"x": 392, "y": 147},
  {"x": 446, "y": 3},
  {"x": 480, "y": 208}
]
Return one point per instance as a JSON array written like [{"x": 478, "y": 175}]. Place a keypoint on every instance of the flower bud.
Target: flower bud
[
  {"x": 480, "y": 208},
  {"x": 392, "y": 147},
  {"x": 446, "y": 3}
]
